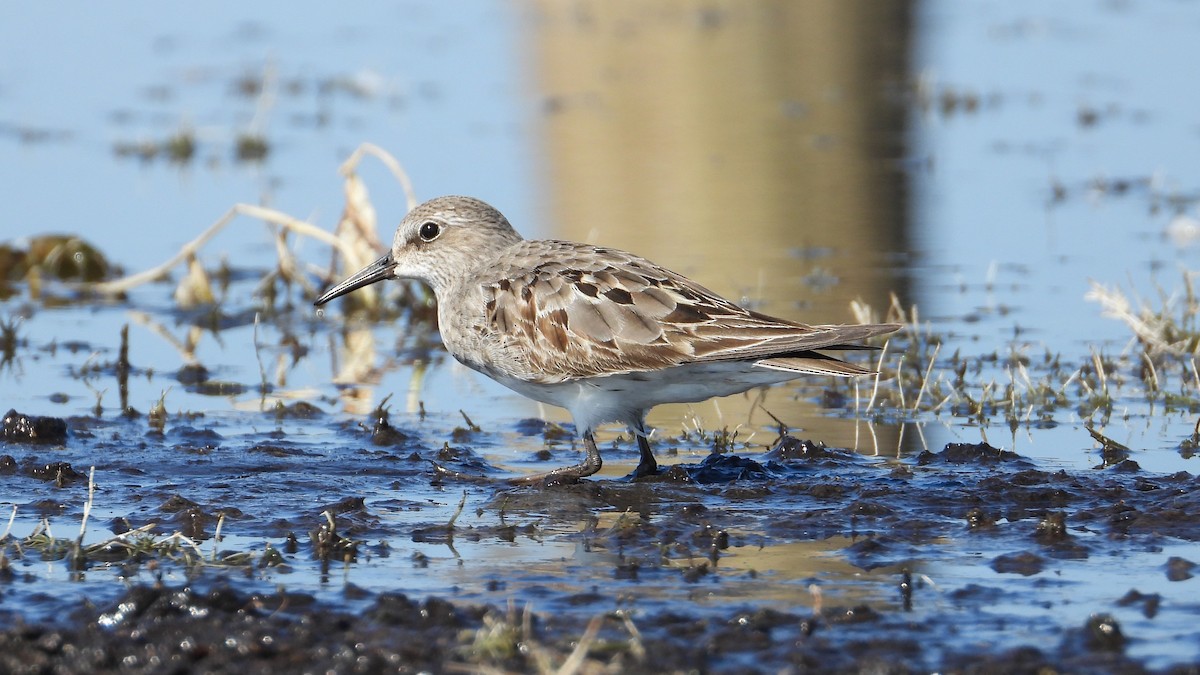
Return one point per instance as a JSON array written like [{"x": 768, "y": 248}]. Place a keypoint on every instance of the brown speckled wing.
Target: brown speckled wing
[{"x": 597, "y": 311}]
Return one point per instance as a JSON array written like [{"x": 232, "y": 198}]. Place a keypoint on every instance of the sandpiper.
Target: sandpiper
[{"x": 601, "y": 332}]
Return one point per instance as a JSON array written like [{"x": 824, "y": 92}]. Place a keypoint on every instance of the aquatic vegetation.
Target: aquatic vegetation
[
  {"x": 178, "y": 148},
  {"x": 1170, "y": 327}
]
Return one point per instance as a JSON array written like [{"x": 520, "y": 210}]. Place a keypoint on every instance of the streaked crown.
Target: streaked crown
[{"x": 449, "y": 237}]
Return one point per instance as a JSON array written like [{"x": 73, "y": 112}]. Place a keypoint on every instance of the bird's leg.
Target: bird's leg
[
  {"x": 647, "y": 466},
  {"x": 590, "y": 465}
]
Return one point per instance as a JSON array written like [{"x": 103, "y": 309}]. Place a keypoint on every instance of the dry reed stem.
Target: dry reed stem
[
  {"x": 576, "y": 660},
  {"x": 1153, "y": 371},
  {"x": 189, "y": 249},
  {"x": 186, "y": 349},
  {"x": 925, "y": 380},
  {"x": 878, "y": 373},
  {"x": 921, "y": 435},
  {"x": 347, "y": 168},
  {"x": 87, "y": 506},
  {"x": 12, "y": 518},
  {"x": 358, "y": 215},
  {"x": 267, "y": 94},
  {"x": 1098, "y": 364},
  {"x": 121, "y": 539}
]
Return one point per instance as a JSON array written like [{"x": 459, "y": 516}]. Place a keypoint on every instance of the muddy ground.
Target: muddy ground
[
  {"x": 663, "y": 576},
  {"x": 1000, "y": 165}
]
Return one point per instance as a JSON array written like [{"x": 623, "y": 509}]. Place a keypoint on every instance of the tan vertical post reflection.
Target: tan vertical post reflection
[{"x": 718, "y": 137}]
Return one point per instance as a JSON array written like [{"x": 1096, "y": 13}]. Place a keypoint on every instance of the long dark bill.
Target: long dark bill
[{"x": 377, "y": 271}]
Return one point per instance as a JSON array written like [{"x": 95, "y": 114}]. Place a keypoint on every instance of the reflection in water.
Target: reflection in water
[
  {"x": 752, "y": 146},
  {"x": 357, "y": 371},
  {"x": 799, "y": 575}
]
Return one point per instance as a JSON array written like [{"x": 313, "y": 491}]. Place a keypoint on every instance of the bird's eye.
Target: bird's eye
[{"x": 429, "y": 231}]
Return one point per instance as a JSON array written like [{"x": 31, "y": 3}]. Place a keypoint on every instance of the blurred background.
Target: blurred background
[{"x": 979, "y": 160}]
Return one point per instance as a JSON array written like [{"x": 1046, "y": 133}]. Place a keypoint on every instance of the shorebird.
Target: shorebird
[{"x": 601, "y": 332}]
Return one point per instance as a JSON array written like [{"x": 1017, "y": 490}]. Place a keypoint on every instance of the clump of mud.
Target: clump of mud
[
  {"x": 156, "y": 629},
  {"x": 21, "y": 428}
]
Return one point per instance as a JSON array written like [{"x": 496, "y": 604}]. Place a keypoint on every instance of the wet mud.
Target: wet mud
[
  {"x": 160, "y": 629},
  {"x": 331, "y": 545}
]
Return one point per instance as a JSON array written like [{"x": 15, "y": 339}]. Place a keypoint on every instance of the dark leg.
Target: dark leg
[
  {"x": 647, "y": 466},
  {"x": 567, "y": 474}
]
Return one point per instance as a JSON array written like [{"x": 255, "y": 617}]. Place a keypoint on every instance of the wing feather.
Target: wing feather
[{"x": 596, "y": 311}]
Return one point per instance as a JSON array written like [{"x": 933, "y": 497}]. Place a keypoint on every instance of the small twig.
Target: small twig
[
  {"x": 1099, "y": 365},
  {"x": 921, "y": 435},
  {"x": 266, "y": 100},
  {"x": 575, "y": 661},
  {"x": 262, "y": 371},
  {"x": 43, "y": 526},
  {"x": 121, "y": 538},
  {"x": 288, "y": 269},
  {"x": 635, "y": 637},
  {"x": 1153, "y": 370},
  {"x": 470, "y": 425},
  {"x": 925, "y": 380},
  {"x": 12, "y": 517},
  {"x": 1105, "y": 442},
  {"x": 1029, "y": 385},
  {"x": 942, "y": 402},
  {"x": 526, "y": 618},
  {"x": 180, "y": 537},
  {"x": 783, "y": 428},
  {"x": 1069, "y": 380},
  {"x": 457, "y": 512},
  {"x": 878, "y": 372},
  {"x": 186, "y": 352},
  {"x": 217, "y": 534},
  {"x": 1012, "y": 392},
  {"x": 91, "y": 500},
  {"x": 389, "y": 161}
]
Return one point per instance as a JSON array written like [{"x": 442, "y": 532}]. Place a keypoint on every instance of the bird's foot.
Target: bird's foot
[
  {"x": 564, "y": 475},
  {"x": 441, "y": 472},
  {"x": 644, "y": 469},
  {"x": 567, "y": 475}
]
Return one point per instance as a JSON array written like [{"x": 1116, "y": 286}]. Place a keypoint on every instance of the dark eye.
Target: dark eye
[{"x": 429, "y": 231}]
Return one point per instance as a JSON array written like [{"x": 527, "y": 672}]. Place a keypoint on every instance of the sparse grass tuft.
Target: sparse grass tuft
[
  {"x": 915, "y": 378},
  {"x": 1170, "y": 327},
  {"x": 510, "y": 641}
]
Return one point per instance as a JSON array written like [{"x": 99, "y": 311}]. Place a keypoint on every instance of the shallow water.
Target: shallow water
[{"x": 983, "y": 162}]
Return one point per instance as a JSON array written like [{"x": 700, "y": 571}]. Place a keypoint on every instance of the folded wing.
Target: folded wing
[{"x": 597, "y": 311}]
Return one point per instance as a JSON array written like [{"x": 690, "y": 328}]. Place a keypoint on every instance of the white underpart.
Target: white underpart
[{"x": 625, "y": 398}]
